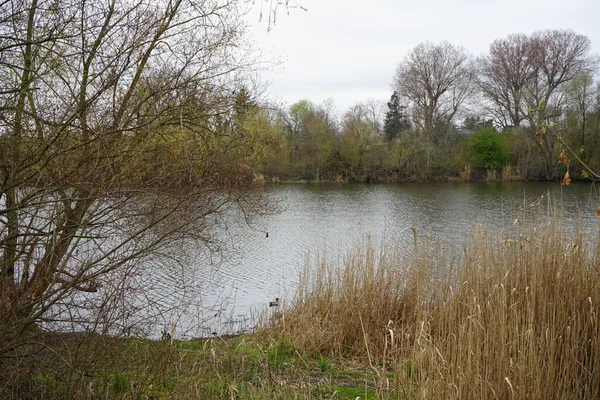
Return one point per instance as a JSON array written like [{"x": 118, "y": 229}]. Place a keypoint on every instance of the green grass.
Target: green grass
[
  {"x": 247, "y": 367},
  {"x": 324, "y": 365}
]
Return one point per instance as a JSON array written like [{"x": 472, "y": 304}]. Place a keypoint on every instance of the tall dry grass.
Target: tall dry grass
[
  {"x": 510, "y": 174},
  {"x": 512, "y": 315}
]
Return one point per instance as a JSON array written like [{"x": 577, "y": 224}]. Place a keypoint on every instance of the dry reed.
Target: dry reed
[
  {"x": 510, "y": 174},
  {"x": 513, "y": 315}
]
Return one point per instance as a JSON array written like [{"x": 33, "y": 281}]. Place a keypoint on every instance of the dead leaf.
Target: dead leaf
[
  {"x": 562, "y": 158},
  {"x": 567, "y": 179},
  {"x": 598, "y": 212}
]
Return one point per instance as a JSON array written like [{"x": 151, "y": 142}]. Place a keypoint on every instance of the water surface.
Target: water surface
[{"x": 332, "y": 219}]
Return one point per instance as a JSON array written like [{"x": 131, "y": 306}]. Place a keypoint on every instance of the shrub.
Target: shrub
[{"x": 488, "y": 149}]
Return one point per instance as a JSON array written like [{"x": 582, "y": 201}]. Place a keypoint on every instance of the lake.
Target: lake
[{"x": 223, "y": 294}]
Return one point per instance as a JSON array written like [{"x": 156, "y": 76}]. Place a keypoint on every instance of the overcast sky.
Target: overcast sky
[{"x": 348, "y": 50}]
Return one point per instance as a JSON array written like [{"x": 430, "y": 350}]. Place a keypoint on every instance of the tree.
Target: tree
[
  {"x": 503, "y": 76},
  {"x": 557, "y": 57},
  {"x": 580, "y": 98},
  {"x": 359, "y": 137},
  {"x": 312, "y": 130},
  {"x": 274, "y": 6},
  {"x": 396, "y": 120},
  {"x": 522, "y": 73},
  {"x": 112, "y": 148},
  {"x": 435, "y": 79},
  {"x": 524, "y": 78},
  {"x": 474, "y": 122}
]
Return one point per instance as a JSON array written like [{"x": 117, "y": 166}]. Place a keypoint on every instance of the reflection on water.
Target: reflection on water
[{"x": 220, "y": 296}]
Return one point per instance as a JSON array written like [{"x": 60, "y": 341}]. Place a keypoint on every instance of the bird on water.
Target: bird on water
[{"x": 274, "y": 303}]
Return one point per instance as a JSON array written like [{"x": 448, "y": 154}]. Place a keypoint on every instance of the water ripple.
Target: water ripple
[{"x": 330, "y": 219}]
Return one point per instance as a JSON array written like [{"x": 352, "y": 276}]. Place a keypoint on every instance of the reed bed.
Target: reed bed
[{"x": 512, "y": 315}]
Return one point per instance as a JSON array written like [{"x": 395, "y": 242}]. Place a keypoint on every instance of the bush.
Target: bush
[{"x": 488, "y": 149}]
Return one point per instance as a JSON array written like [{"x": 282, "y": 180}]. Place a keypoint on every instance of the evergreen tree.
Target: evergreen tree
[{"x": 395, "y": 118}]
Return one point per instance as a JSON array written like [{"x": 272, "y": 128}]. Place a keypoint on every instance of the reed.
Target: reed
[
  {"x": 510, "y": 174},
  {"x": 513, "y": 315},
  {"x": 464, "y": 174}
]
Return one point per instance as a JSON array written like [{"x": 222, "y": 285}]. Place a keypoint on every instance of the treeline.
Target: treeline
[{"x": 528, "y": 109}]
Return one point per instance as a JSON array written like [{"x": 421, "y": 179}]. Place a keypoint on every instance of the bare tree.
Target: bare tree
[
  {"x": 435, "y": 79},
  {"x": 524, "y": 79},
  {"x": 273, "y": 8},
  {"x": 364, "y": 119},
  {"x": 581, "y": 94},
  {"x": 111, "y": 147},
  {"x": 556, "y": 57},
  {"x": 503, "y": 76},
  {"x": 522, "y": 73}
]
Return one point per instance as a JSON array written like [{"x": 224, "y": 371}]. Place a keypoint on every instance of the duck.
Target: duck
[{"x": 274, "y": 303}]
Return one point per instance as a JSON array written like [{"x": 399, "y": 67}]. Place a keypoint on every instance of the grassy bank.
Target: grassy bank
[
  {"x": 246, "y": 367},
  {"x": 512, "y": 315}
]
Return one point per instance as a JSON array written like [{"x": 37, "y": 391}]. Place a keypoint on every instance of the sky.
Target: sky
[{"x": 348, "y": 50}]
